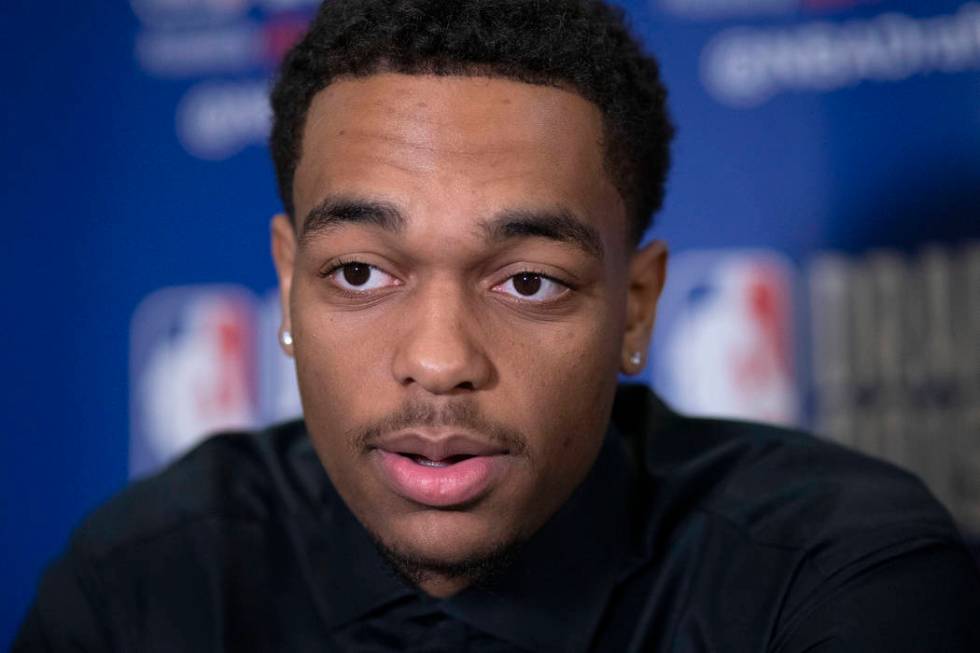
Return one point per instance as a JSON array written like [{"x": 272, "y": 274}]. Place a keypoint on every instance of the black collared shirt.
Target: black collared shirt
[{"x": 687, "y": 535}]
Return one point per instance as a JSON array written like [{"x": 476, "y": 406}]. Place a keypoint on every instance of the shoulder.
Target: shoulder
[
  {"x": 784, "y": 488},
  {"x": 791, "y": 489},
  {"x": 774, "y": 536},
  {"x": 183, "y": 532},
  {"x": 230, "y": 476}
]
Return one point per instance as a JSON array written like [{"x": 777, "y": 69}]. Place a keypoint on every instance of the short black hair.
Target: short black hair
[{"x": 583, "y": 45}]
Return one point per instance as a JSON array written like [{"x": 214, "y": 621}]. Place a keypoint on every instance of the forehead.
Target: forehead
[{"x": 462, "y": 144}]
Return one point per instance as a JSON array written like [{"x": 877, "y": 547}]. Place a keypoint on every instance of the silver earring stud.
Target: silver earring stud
[
  {"x": 636, "y": 358},
  {"x": 286, "y": 338}
]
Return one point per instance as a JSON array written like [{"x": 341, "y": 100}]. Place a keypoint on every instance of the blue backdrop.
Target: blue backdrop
[{"x": 824, "y": 213}]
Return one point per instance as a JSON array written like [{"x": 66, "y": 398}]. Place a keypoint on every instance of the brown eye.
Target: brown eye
[
  {"x": 360, "y": 278},
  {"x": 527, "y": 284},
  {"x": 357, "y": 274},
  {"x": 532, "y": 287}
]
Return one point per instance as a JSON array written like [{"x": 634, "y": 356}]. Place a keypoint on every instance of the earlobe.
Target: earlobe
[
  {"x": 632, "y": 362},
  {"x": 286, "y": 341},
  {"x": 283, "y": 241},
  {"x": 647, "y": 274}
]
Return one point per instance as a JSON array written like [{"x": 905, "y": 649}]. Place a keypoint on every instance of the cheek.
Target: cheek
[
  {"x": 579, "y": 350},
  {"x": 340, "y": 364},
  {"x": 562, "y": 383}
]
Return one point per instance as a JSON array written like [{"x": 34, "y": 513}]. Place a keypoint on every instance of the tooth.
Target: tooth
[{"x": 421, "y": 460}]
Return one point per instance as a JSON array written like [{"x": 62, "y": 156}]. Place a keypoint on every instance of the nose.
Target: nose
[{"x": 442, "y": 346}]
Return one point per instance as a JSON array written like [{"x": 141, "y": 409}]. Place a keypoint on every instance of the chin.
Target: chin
[
  {"x": 447, "y": 535},
  {"x": 451, "y": 544}
]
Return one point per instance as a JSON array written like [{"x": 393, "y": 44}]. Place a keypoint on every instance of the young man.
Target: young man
[{"x": 466, "y": 183}]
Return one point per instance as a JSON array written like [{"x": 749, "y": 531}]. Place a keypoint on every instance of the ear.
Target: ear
[
  {"x": 284, "y": 256},
  {"x": 647, "y": 273}
]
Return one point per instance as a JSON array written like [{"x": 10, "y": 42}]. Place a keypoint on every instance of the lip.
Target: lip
[
  {"x": 436, "y": 446},
  {"x": 469, "y": 467}
]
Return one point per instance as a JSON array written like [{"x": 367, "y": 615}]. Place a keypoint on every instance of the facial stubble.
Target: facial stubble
[{"x": 480, "y": 569}]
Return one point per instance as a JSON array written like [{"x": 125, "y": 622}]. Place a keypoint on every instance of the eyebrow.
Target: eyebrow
[
  {"x": 335, "y": 211},
  {"x": 560, "y": 225}
]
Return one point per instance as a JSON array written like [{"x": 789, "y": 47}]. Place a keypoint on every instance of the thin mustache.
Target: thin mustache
[{"x": 461, "y": 415}]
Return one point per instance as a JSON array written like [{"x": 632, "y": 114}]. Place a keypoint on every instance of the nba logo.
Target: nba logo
[
  {"x": 192, "y": 370},
  {"x": 724, "y": 341}
]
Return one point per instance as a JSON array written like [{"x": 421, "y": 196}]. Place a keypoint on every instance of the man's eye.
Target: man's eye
[
  {"x": 528, "y": 286},
  {"x": 360, "y": 277}
]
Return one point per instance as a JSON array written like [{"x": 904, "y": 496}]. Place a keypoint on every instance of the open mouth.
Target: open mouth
[
  {"x": 426, "y": 462},
  {"x": 440, "y": 482}
]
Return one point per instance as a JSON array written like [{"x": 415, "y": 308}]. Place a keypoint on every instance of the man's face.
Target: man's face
[{"x": 461, "y": 293}]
